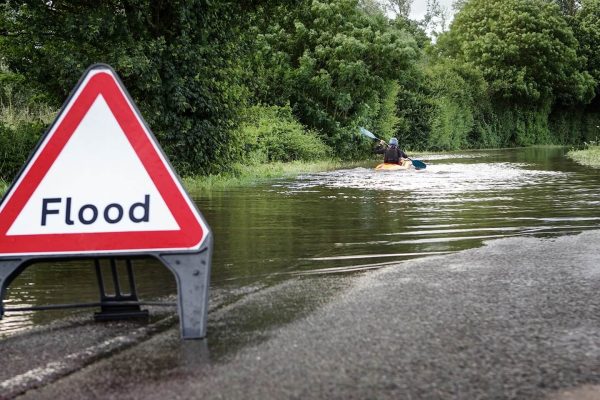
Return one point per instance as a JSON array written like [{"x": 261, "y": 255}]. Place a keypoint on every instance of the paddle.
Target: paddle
[{"x": 418, "y": 164}]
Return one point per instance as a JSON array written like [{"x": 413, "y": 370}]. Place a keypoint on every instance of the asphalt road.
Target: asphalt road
[{"x": 516, "y": 319}]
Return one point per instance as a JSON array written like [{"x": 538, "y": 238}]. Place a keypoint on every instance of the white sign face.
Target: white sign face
[{"x": 98, "y": 182}]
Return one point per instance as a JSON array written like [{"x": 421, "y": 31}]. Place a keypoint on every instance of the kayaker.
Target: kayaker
[{"x": 392, "y": 153}]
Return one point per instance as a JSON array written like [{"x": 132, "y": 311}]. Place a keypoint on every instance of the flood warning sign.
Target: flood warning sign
[{"x": 98, "y": 182}]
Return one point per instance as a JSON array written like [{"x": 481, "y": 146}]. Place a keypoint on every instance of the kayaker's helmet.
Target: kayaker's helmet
[{"x": 393, "y": 142}]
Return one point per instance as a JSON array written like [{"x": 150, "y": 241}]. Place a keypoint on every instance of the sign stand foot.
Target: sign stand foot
[{"x": 115, "y": 311}]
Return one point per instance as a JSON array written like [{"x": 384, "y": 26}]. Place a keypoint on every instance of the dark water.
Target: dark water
[{"x": 352, "y": 220}]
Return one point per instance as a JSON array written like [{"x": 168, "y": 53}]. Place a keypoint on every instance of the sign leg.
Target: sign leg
[
  {"x": 192, "y": 273},
  {"x": 9, "y": 269}
]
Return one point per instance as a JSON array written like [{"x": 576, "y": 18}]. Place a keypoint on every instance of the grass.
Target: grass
[
  {"x": 244, "y": 175},
  {"x": 247, "y": 175},
  {"x": 589, "y": 156}
]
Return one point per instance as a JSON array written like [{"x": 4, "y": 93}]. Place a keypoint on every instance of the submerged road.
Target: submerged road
[{"x": 518, "y": 318}]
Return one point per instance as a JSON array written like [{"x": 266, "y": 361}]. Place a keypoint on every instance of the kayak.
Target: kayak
[{"x": 406, "y": 164}]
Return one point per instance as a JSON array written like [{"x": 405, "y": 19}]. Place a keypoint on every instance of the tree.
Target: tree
[
  {"x": 332, "y": 62},
  {"x": 569, "y": 7},
  {"x": 372, "y": 7},
  {"x": 525, "y": 49},
  {"x": 399, "y": 8},
  {"x": 395, "y": 8},
  {"x": 435, "y": 20},
  {"x": 587, "y": 31},
  {"x": 457, "y": 5},
  {"x": 180, "y": 60}
]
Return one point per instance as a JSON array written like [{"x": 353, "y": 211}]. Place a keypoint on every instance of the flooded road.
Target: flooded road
[{"x": 353, "y": 220}]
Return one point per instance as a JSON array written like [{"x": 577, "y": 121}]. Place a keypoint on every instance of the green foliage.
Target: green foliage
[
  {"x": 574, "y": 125},
  {"x": 568, "y": 7},
  {"x": 525, "y": 49},
  {"x": 413, "y": 28},
  {"x": 458, "y": 99},
  {"x": 243, "y": 174},
  {"x": 332, "y": 63},
  {"x": 272, "y": 134},
  {"x": 444, "y": 106},
  {"x": 224, "y": 83},
  {"x": 587, "y": 30},
  {"x": 589, "y": 156},
  {"x": 414, "y": 110},
  {"x": 530, "y": 60},
  {"x": 451, "y": 124},
  {"x": 180, "y": 60},
  {"x": 20, "y": 103},
  {"x": 387, "y": 120},
  {"x": 16, "y": 143},
  {"x": 524, "y": 126},
  {"x": 23, "y": 116}
]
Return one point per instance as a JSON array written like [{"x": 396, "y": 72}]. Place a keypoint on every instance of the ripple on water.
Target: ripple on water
[
  {"x": 438, "y": 180},
  {"x": 454, "y": 205},
  {"x": 353, "y": 220}
]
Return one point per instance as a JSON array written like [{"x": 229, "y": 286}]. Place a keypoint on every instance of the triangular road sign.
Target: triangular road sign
[{"x": 98, "y": 182}]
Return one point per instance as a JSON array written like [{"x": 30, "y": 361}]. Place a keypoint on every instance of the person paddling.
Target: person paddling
[{"x": 392, "y": 153}]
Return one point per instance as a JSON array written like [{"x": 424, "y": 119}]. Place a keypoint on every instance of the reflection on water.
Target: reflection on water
[
  {"x": 355, "y": 219},
  {"x": 74, "y": 282}
]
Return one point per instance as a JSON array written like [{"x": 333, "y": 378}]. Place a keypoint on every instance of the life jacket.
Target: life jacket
[{"x": 392, "y": 155}]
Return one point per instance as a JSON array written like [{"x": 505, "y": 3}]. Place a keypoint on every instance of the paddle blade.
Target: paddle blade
[
  {"x": 418, "y": 164},
  {"x": 367, "y": 133}
]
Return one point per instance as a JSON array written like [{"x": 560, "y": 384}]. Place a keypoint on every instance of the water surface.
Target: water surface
[{"x": 353, "y": 220}]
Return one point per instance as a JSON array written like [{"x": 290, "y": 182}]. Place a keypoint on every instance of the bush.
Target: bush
[
  {"x": 16, "y": 144},
  {"x": 24, "y": 114},
  {"x": 451, "y": 123},
  {"x": 387, "y": 121},
  {"x": 334, "y": 64},
  {"x": 273, "y": 134},
  {"x": 520, "y": 126},
  {"x": 526, "y": 51},
  {"x": 458, "y": 98},
  {"x": 414, "y": 110},
  {"x": 574, "y": 126},
  {"x": 183, "y": 62}
]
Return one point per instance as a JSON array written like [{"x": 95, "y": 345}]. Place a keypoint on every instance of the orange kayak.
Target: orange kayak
[{"x": 406, "y": 164}]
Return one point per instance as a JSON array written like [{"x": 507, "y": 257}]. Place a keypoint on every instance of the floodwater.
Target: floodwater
[{"x": 350, "y": 220}]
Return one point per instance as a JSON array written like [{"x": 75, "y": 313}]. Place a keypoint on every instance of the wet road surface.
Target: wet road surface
[{"x": 516, "y": 319}]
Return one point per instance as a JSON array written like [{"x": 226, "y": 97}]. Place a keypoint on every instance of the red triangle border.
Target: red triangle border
[{"x": 103, "y": 82}]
